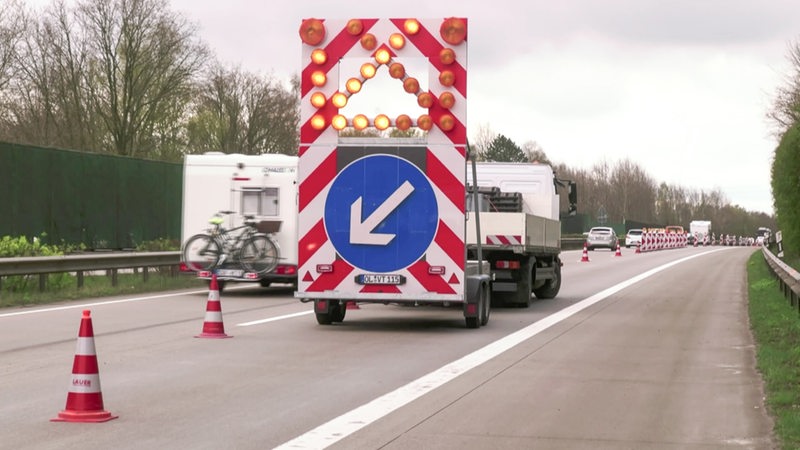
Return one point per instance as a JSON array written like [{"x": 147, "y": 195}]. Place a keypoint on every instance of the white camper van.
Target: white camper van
[{"x": 264, "y": 186}]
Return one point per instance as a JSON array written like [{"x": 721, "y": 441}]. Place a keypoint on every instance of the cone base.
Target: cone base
[
  {"x": 213, "y": 335},
  {"x": 84, "y": 416}
]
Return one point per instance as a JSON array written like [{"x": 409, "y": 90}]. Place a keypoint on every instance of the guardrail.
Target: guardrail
[
  {"x": 788, "y": 278},
  {"x": 113, "y": 262}
]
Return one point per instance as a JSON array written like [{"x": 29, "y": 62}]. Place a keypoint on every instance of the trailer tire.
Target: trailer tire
[
  {"x": 487, "y": 302},
  {"x": 265, "y": 283},
  {"x": 551, "y": 287},
  {"x": 338, "y": 312},
  {"x": 220, "y": 285}
]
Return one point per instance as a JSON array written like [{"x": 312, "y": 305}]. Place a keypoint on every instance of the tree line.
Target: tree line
[
  {"x": 625, "y": 192},
  {"x": 785, "y": 115},
  {"x": 134, "y": 78},
  {"x": 131, "y": 78}
]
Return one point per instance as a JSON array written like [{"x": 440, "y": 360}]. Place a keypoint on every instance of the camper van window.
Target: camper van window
[{"x": 260, "y": 201}]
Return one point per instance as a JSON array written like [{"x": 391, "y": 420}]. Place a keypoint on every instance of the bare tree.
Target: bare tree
[
  {"x": 243, "y": 113},
  {"x": 483, "y": 140},
  {"x": 535, "y": 152},
  {"x": 785, "y": 110},
  {"x": 46, "y": 101},
  {"x": 11, "y": 31},
  {"x": 145, "y": 61}
]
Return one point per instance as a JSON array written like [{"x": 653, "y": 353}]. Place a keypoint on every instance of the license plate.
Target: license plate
[
  {"x": 229, "y": 273},
  {"x": 368, "y": 278}
]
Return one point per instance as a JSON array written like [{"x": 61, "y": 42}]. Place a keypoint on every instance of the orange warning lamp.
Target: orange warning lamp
[
  {"x": 446, "y": 122},
  {"x": 425, "y": 122},
  {"x": 411, "y": 26},
  {"x": 453, "y": 30},
  {"x": 360, "y": 122},
  {"x": 318, "y": 122},
  {"x": 318, "y": 78},
  {"x": 368, "y": 41},
  {"x": 319, "y": 56},
  {"x": 312, "y": 31},
  {"x": 447, "y": 78},
  {"x": 339, "y": 100},
  {"x": 368, "y": 70},
  {"x": 382, "y": 122},
  {"x": 411, "y": 85},
  {"x": 397, "y": 41},
  {"x": 353, "y": 85},
  {"x": 447, "y": 56},
  {"x": 382, "y": 56},
  {"x": 403, "y": 122},
  {"x": 397, "y": 70},
  {"x": 339, "y": 122},
  {"x": 425, "y": 100},
  {"x": 447, "y": 100},
  {"x": 318, "y": 99},
  {"x": 354, "y": 27}
]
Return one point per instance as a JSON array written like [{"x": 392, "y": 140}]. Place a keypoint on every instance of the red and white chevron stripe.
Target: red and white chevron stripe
[{"x": 439, "y": 272}]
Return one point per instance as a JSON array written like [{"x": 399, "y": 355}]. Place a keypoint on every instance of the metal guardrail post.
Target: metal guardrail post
[{"x": 110, "y": 262}]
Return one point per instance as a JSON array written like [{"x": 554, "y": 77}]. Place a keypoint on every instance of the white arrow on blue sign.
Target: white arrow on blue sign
[{"x": 381, "y": 213}]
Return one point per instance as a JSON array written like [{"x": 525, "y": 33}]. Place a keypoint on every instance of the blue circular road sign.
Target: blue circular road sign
[{"x": 381, "y": 213}]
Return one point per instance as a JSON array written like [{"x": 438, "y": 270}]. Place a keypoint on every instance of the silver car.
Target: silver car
[{"x": 601, "y": 237}]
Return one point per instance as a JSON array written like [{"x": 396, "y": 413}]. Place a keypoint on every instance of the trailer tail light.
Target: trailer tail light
[
  {"x": 436, "y": 270},
  {"x": 204, "y": 274},
  {"x": 184, "y": 268},
  {"x": 241, "y": 178},
  {"x": 250, "y": 276},
  {"x": 285, "y": 269},
  {"x": 506, "y": 264},
  {"x": 324, "y": 268}
]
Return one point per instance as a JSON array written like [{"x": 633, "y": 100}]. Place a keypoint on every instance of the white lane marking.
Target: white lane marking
[
  {"x": 273, "y": 319},
  {"x": 89, "y": 305},
  {"x": 348, "y": 423}
]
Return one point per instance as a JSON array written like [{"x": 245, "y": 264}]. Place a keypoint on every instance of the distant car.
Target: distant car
[
  {"x": 601, "y": 237},
  {"x": 633, "y": 238}
]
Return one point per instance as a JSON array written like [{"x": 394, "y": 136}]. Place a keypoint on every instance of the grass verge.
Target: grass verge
[
  {"x": 97, "y": 286},
  {"x": 776, "y": 329}
]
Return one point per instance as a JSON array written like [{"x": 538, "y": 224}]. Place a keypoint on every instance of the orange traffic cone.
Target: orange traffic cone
[
  {"x": 639, "y": 248},
  {"x": 585, "y": 257},
  {"x": 84, "y": 399},
  {"x": 213, "y": 326},
  {"x": 618, "y": 252}
]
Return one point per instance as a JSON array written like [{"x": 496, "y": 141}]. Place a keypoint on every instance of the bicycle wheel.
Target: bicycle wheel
[
  {"x": 201, "y": 252},
  {"x": 259, "y": 254}
]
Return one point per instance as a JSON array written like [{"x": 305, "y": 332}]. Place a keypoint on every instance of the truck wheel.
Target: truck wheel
[{"x": 550, "y": 287}]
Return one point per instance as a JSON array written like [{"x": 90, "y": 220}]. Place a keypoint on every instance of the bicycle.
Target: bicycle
[{"x": 245, "y": 245}]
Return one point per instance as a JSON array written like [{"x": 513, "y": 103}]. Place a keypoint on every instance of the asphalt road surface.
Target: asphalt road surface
[{"x": 642, "y": 351}]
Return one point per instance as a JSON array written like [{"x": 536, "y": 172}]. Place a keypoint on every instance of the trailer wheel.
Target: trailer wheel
[
  {"x": 550, "y": 287},
  {"x": 335, "y": 314},
  {"x": 487, "y": 304},
  {"x": 220, "y": 285},
  {"x": 482, "y": 316},
  {"x": 338, "y": 312}
]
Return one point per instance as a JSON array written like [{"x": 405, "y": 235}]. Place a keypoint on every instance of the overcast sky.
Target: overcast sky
[{"x": 680, "y": 88}]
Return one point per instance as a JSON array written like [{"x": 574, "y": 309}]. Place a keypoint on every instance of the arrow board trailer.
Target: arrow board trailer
[
  {"x": 382, "y": 220},
  {"x": 264, "y": 186},
  {"x": 520, "y": 231}
]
